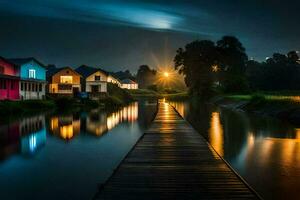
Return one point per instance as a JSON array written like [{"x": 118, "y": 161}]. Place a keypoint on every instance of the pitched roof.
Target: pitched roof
[
  {"x": 7, "y": 61},
  {"x": 22, "y": 61},
  {"x": 53, "y": 71},
  {"x": 128, "y": 81},
  {"x": 86, "y": 71}
]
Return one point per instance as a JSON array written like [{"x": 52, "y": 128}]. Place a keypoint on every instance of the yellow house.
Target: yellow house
[{"x": 64, "y": 81}]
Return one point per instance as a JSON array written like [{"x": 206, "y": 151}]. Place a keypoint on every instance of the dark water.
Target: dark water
[
  {"x": 264, "y": 151},
  {"x": 65, "y": 156}
]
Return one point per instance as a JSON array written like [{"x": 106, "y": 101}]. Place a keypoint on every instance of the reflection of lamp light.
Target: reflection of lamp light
[{"x": 216, "y": 133}]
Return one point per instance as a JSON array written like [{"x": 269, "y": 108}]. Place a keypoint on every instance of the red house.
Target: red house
[{"x": 9, "y": 80}]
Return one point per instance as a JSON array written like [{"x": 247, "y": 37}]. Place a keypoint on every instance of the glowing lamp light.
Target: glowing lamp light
[{"x": 166, "y": 74}]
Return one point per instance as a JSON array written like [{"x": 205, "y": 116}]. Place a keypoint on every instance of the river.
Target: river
[
  {"x": 263, "y": 150},
  {"x": 67, "y": 156}
]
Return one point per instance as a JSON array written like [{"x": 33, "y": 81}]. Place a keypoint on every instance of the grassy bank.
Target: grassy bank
[
  {"x": 285, "y": 107},
  {"x": 150, "y": 94}
]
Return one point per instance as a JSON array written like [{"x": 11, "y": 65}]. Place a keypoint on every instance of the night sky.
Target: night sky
[{"x": 119, "y": 35}]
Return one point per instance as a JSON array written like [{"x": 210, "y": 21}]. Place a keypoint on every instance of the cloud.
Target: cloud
[{"x": 141, "y": 15}]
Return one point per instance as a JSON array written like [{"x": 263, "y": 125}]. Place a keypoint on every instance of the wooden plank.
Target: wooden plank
[{"x": 173, "y": 161}]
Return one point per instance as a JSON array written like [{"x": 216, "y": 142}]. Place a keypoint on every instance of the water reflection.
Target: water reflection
[
  {"x": 216, "y": 133},
  {"x": 25, "y": 136},
  {"x": 98, "y": 122},
  {"x": 263, "y": 150},
  {"x": 66, "y": 126}
]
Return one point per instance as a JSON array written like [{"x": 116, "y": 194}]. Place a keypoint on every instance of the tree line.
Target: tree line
[{"x": 223, "y": 66}]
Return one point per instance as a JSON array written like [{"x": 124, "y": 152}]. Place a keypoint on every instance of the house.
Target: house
[
  {"x": 93, "y": 81},
  {"x": 33, "y": 78},
  {"x": 112, "y": 79},
  {"x": 63, "y": 81},
  {"x": 9, "y": 80},
  {"x": 129, "y": 84}
]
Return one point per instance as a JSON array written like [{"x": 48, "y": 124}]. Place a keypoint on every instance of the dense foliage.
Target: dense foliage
[
  {"x": 224, "y": 67},
  {"x": 280, "y": 72},
  {"x": 206, "y": 64}
]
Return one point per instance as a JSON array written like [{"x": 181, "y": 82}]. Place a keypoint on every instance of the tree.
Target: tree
[
  {"x": 232, "y": 60},
  {"x": 145, "y": 76},
  {"x": 293, "y": 56},
  {"x": 195, "y": 63}
]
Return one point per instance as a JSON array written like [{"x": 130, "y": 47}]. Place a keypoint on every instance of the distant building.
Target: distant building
[
  {"x": 112, "y": 79},
  {"x": 129, "y": 84},
  {"x": 9, "y": 80},
  {"x": 63, "y": 81},
  {"x": 93, "y": 81},
  {"x": 33, "y": 78}
]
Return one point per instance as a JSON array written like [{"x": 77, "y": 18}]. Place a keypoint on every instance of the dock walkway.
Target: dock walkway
[{"x": 173, "y": 161}]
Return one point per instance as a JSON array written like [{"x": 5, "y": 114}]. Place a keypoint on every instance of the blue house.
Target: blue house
[{"x": 33, "y": 78}]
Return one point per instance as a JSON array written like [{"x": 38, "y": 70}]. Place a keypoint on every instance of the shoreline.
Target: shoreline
[{"x": 285, "y": 110}]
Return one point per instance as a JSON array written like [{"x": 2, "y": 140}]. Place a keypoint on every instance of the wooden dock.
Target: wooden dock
[{"x": 173, "y": 161}]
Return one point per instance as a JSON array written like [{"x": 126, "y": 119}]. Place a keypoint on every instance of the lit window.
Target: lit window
[
  {"x": 66, "y": 79},
  {"x": 32, "y": 73}
]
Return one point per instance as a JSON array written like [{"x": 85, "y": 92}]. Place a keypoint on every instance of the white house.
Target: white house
[
  {"x": 94, "y": 81},
  {"x": 114, "y": 80},
  {"x": 129, "y": 84}
]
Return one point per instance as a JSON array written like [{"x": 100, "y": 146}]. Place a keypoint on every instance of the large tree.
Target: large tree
[
  {"x": 232, "y": 59},
  {"x": 204, "y": 63},
  {"x": 195, "y": 62}
]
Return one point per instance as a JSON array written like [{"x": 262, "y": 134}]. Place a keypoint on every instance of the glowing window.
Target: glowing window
[
  {"x": 31, "y": 73},
  {"x": 66, "y": 79}
]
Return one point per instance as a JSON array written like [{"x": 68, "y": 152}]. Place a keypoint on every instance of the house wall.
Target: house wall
[
  {"x": 33, "y": 91},
  {"x": 111, "y": 79},
  {"x": 11, "y": 90},
  {"x": 66, "y": 72},
  {"x": 102, "y": 84},
  {"x": 9, "y": 69},
  {"x": 54, "y": 86},
  {"x": 129, "y": 86},
  {"x": 40, "y": 72},
  {"x": 103, "y": 77}
]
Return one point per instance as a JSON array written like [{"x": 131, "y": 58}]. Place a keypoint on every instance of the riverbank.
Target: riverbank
[
  {"x": 116, "y": 97},
  {"x": 150, "y": 94},
  {"x": 286, "y": 107}
]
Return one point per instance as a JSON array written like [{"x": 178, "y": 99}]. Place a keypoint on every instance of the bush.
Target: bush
[
  {"x": 236, "y": 84},
  {"x": 153, "y": 88},
  {"x": 64, "y": 102},
  {"x": 118, "y": 94}
]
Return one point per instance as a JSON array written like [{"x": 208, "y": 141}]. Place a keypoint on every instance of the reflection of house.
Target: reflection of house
[
  {"x": 9, "y": 80},
  {"x": 96, "y": 122},
  {"x": 9, "y": 139},
  {"x": 65, "y": 126},
  {"x": 94, "y": 80},
  {"x": 128, "y": 113},
  {"x": 129, "y": 84},
  {"x": 26, "y": 135},
  {"x": 63, "y": 81},
  {"x": 33, "y": 134},
  {"x": 112, "y": 79},
  {"x": 33, "y": 78}
]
